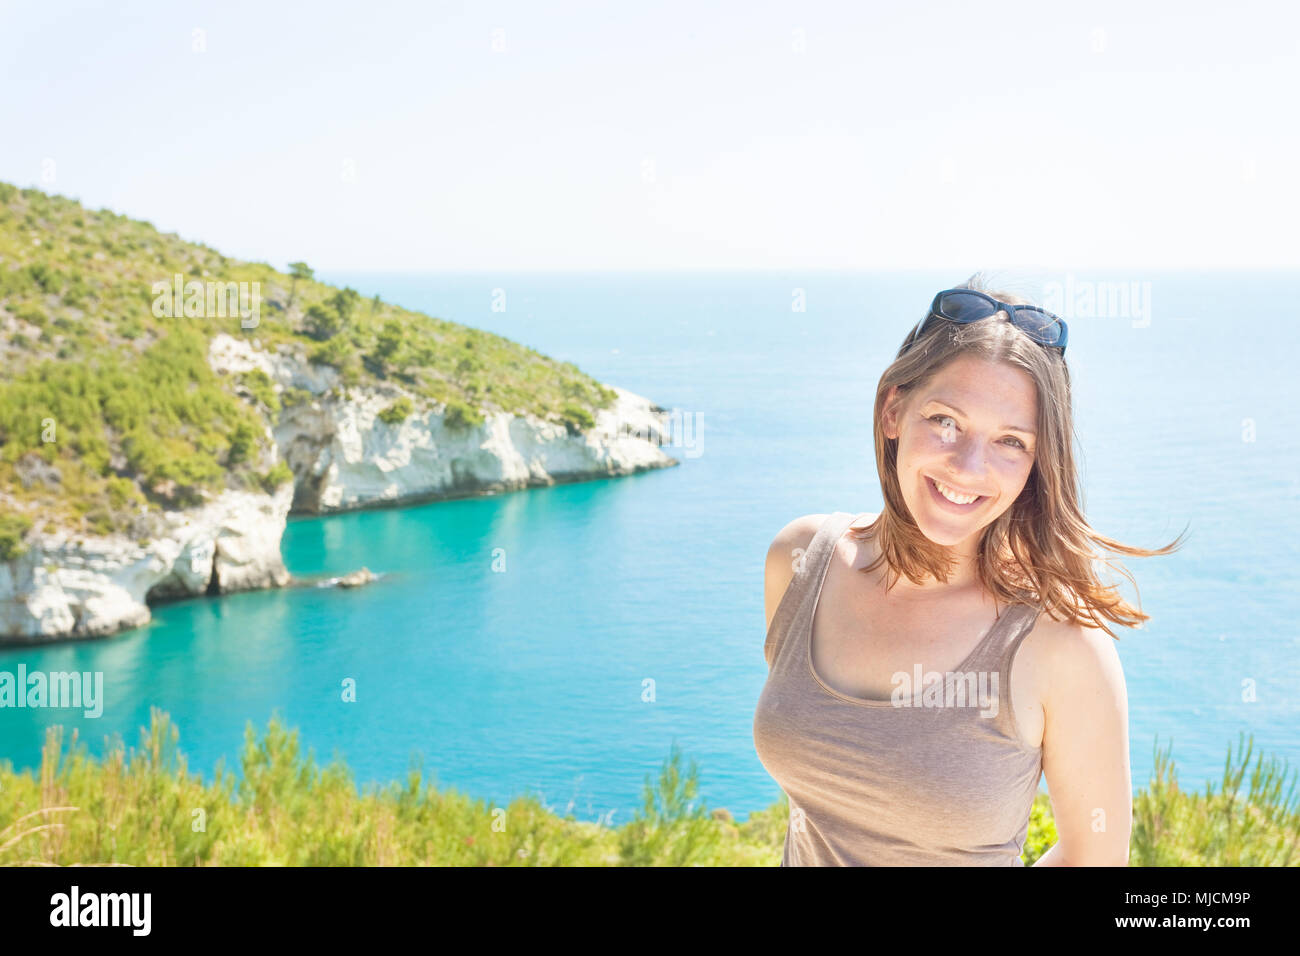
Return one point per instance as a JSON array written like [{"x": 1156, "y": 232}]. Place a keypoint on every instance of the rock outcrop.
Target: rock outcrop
[
  {"x": 69, "y": 586},
  {"x": 357, "y": 579}
]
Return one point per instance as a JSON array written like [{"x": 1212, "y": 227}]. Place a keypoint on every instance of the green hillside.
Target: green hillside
[{"x": 109, "y": 412}]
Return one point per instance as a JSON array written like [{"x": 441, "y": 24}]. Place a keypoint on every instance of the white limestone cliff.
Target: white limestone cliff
[
  {"x": 344, "y": 456},
  {"x": 68, "y": 585}
]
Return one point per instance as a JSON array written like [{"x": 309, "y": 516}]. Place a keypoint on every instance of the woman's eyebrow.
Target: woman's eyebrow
[{"x": 1006, "y": 428}]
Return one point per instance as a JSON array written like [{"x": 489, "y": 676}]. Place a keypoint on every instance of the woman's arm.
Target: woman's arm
[{"x": 1085, "y": 749}]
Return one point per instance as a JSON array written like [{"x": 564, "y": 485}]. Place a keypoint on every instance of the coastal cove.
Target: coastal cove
[
  {"x": 532, "y": 677},
  {"x": 344, "y": 456}
]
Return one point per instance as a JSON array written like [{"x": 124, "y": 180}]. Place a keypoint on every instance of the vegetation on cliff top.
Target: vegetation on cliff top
[
  {"x": 109, "y": 411},
  {"x": 145, "y": 808}
]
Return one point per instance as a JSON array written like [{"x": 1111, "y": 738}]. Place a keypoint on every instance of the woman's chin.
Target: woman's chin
[
  {"x": 944, "y": 533},
  {"x": 939, "y": 537}
]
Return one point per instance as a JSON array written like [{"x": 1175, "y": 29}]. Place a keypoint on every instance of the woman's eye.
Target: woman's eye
[{"x": 941, "y": 417}]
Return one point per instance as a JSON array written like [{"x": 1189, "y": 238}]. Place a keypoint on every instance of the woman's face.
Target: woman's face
[{"x": 970, "y": 428}]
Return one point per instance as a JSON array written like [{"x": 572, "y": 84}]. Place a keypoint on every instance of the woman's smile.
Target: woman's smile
[{"x": 943, "y": 501}]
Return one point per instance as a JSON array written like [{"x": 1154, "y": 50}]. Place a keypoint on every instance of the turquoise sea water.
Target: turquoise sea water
[{"x": 531, "y": 679}]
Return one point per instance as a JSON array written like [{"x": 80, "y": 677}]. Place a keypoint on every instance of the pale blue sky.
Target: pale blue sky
[{"x": 671, "y": 134}]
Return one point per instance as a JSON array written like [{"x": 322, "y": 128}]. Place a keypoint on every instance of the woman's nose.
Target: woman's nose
[{"x": 967, "y": 457}]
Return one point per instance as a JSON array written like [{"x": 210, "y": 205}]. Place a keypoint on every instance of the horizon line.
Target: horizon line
[{"x": 588, "y": 270}]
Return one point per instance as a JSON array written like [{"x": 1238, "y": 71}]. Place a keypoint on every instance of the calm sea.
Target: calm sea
[{"x": 533, "y": 679}]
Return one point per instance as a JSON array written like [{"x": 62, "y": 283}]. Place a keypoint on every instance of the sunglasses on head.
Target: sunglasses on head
[{"x": 963, "y": 306}]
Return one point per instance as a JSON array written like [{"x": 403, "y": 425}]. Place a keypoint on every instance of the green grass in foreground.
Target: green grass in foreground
[{"x": 144, "y": 808}]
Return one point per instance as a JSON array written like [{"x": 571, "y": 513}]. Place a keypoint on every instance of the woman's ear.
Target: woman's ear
[{"x": 889, "y": 415}]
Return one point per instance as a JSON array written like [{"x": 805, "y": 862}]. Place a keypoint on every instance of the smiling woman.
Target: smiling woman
[{"x": 981, "y": 559}]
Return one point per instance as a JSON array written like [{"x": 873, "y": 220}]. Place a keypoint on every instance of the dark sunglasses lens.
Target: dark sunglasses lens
[
  {"x": 964, "y": 307},
  {"x": 1043, "y": 327}
]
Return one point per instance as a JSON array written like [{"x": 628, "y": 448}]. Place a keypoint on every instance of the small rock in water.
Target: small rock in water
[{"x": 356, "y": 578}]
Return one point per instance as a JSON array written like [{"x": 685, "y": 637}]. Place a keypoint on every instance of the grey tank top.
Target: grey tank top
[{"x": 943, "y": 782}]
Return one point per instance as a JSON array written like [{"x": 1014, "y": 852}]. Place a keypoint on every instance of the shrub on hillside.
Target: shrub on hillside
[
  {"x": 389, "y": 341},
  {"x": 322, "y": 323},
  {"x": 292, "y": 396},
  {"x": 337, "y": 352},
  {"x": 12, "y": 529},
  {"x": 243, "y": 441},
  {"x": 397, "y": 412},
  {"x": 262, "y": 389},
  {"x": 577, "y": 419},
  {"x": 460, "y": 415},
  {"x": 327, "y": 319},
  {"x": 277, "y": 476}
]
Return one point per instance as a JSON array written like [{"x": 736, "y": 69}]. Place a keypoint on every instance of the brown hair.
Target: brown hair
[{"x": 1041, "y": 549}]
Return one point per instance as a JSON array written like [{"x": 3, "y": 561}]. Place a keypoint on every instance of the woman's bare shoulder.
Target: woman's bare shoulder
[
  {"x": 783, "y": 555},
  {"x": 1072, "y": 659},
  {"x": 797, "y": 534}
]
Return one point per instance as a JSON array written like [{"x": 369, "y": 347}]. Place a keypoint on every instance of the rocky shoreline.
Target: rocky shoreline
[{"x": 344, "y": 457}]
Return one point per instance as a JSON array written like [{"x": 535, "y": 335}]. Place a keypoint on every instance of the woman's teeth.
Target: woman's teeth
[{"x": 953, "y": 496}]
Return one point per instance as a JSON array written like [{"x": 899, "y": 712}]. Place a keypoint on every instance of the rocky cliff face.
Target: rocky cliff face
[
  {"x": 67, "y": 586},
  {"x": 343, "y": 457}
]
